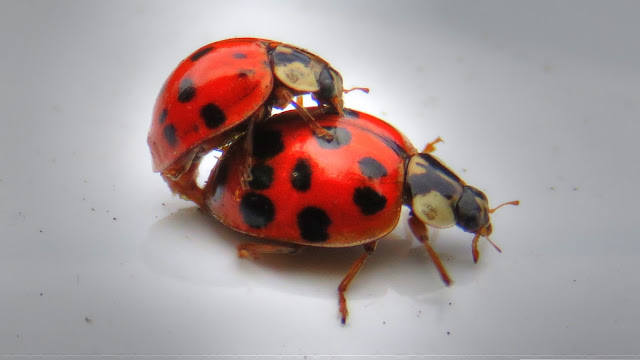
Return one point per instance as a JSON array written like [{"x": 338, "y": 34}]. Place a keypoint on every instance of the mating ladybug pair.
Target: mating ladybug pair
[{"x": 324, "y": 176}]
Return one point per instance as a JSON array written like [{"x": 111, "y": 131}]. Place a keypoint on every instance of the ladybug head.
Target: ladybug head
[
  {"x": 472, "y": 215},
  {"x": 439, "y": 198},
  {"x": 472, "y": 211},
  {"x": 331, "y": 90}
]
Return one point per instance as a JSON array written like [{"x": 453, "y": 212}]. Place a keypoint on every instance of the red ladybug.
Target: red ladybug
[
  {"x": 306, "y": 190},
  {"x": 221, "y": 89}
]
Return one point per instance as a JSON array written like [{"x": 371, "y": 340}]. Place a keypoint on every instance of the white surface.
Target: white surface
[{"x": 537, "y": 101}]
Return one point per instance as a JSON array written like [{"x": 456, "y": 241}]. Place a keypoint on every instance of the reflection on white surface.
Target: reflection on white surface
[
  {"x": 207, "y": 164},
  {"x": 536, "y": 101}
]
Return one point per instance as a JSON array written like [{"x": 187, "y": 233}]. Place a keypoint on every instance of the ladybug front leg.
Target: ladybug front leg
[
  {"x": 369, "y": 248},
  {"x": 420, "y": 231},
  {"x": 287, "y": 98}
]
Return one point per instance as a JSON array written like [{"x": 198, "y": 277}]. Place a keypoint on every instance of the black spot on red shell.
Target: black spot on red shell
[
  {"x": 368, "y": 200},
  {"x": 301, "y": 175},
  {"x": 163, "y": 116},
  {"x": 261, "y": 176},
  {"x": 212, "y": 115},
  {"x": 314, "y": 223},
  {"x": 200, "y": 53},
  {"x": 186, "y": 90},
  {"x": 239, "y": 55},
  {"x": 371, "y": 168},
  {"x": 257, "y": 210},
  {"x": 341, "y": 137},
  {"x": 267, "y": 144},
  {"x": 169, "y": 133}
]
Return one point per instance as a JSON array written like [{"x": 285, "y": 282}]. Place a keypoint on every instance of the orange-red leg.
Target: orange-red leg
[
  {"x": 317, "y": 129},
  {"x": 420, "y": 231},
  {"x": 287, "y": 98},
  {"x": 255, "y": 250},
  {"x": 431, "y": 146},
  {"x": 369, "y": 248},
  {"x": 474, "y": 248}
]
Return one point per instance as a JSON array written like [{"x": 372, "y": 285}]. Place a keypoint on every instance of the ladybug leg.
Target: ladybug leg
[
  {"x": 431, "y": 146},
  {"x": 287, "y": 98},
  {"x": 254, "y": 250},
  {"x": 420, "y": 231},
  {"x": 317, "y": 129},
  {"x": 369, "y": 248},
  {"x": 474, "y": 248}
]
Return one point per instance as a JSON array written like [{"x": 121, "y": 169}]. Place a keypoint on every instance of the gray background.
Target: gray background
[{"x": 537, "y": 101}]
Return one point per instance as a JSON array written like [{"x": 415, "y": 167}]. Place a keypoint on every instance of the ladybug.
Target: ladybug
[
  {"x": 307, "y": 190},
  {"x": 221, "y": 90}
]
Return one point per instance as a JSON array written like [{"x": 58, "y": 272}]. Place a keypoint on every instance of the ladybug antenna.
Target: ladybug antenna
[
  {"x": 514, "y": 202},
  {"x": 363, "y": 89}
]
